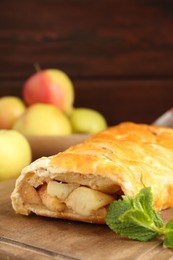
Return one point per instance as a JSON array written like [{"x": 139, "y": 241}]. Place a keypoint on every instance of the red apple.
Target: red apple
[{"x": 50, "y": 86}]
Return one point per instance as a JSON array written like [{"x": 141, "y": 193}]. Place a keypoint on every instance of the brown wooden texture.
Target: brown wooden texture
[
  {"x": 23, "y": 237},
  {"x": 48, "y": 145},
  {"x": 119, "y": 54}
]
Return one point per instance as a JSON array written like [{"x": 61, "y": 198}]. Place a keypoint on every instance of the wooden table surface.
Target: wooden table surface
[{"x": 33, "y": 237}]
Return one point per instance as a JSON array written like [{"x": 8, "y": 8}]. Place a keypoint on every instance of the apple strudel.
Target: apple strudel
[{"x": 80, "y": 183}]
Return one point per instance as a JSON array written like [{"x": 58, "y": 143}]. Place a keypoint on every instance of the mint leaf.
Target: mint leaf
[
  {"x": 143, "y": 228},
  {"x": 116, "y": 210},
  {"x": 135, "y": 217},
  {"x": 143, "y": 201},
  {"x": 157, "y": 219},
  {"x": 168, "y": 240}
]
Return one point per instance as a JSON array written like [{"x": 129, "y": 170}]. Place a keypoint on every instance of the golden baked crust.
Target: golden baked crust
[{"x": 122, "y": 159}]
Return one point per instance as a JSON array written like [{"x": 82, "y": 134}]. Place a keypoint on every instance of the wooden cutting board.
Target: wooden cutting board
[{"x": 33, "y": 237}]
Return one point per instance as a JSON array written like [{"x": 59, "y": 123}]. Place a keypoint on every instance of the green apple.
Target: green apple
[
  {"x": 86, "y": 120},
  {"x": 43, "y": 119},
  {"x": 11, "y": 108},
  {"x": 51, "y": 86},
  {"x": 15, "y": 154}
]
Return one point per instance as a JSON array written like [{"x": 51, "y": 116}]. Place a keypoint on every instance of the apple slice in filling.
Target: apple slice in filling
[
  {"x": 84, "y": 201},
  {"x": 51, "y": 202},
  {"x": 30, "y": 195},
  {"x": 60, "y": 190}
]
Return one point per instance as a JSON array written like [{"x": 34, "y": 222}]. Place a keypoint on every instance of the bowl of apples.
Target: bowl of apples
[{"x": 46, "y": 114}]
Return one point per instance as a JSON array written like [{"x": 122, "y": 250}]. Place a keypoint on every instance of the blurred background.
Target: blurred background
[{"x": 118, "y": 53}]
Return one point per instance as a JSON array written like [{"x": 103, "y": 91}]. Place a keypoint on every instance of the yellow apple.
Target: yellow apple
[
  {"x": 11, "y": 108},
  {"x": 86, "y": 120},
  {"x": 15, "y": 153},
  {"x": 43, "y": 119},
  {"x": 50, "y": 86}
]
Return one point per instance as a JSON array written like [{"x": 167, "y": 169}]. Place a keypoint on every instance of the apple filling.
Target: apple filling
[{"x": 60, "y": 197}]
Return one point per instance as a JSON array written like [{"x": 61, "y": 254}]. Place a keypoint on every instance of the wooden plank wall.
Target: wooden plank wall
[{"x": 118, "y": 53}]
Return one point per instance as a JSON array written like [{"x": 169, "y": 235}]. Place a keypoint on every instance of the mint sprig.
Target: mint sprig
[{"x": 136, "y": 219}]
